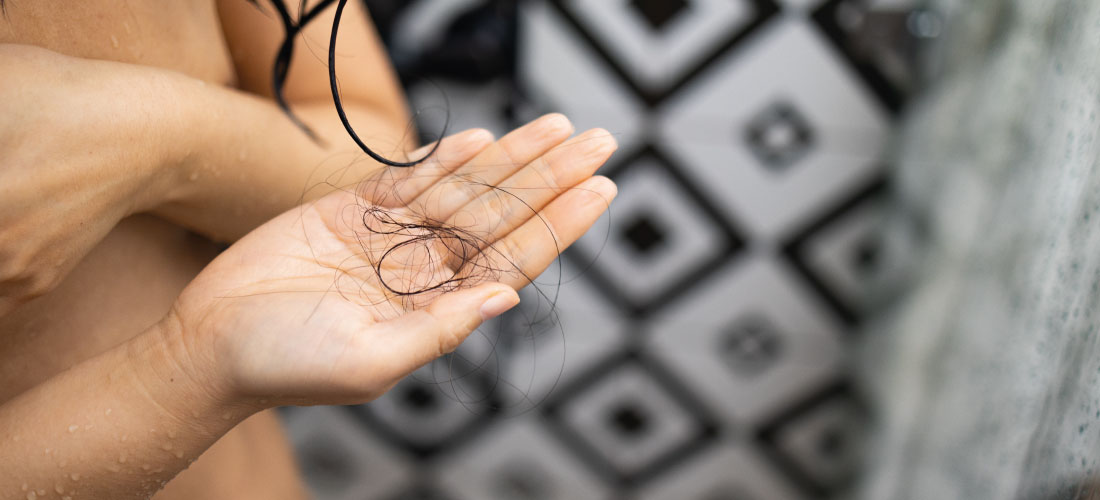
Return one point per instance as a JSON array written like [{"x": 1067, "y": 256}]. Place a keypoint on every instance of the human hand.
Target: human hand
[{"x": 337, "y": 300}]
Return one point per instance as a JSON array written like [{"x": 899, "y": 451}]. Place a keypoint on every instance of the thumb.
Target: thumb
[{"x": 425, "y": 334}]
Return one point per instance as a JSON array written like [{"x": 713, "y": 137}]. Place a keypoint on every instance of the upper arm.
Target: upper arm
[{"x": 366, "y": 76}]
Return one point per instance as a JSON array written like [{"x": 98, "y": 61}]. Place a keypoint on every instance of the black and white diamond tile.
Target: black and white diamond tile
[
  {"x": 749, "y": 341},
  {"x": 850, "y": 257},
  {"x": 819, "y": 442},
  {"x": 829, "y": 133},
  {"x": 435, "y": 408},
  {"x": 629, "y": 420},
  {"x": 698, "y": 341},
  {"x": 662, "y": 236}
]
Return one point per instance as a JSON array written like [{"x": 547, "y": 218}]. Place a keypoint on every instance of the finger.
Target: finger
[
  {"x": 518, "y": 198},
  {"x": 420, "y": 336},
  {"x": 396, "y": 186},
  {"x": 494, "y": 164},
  {"x": 524, "y": 253}
]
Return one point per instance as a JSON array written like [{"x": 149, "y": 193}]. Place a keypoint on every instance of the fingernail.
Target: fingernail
[
  {"x": 497, "y": 304},
  {"x": 600, "y": 143},
  {"x": 554, "y": 122}
]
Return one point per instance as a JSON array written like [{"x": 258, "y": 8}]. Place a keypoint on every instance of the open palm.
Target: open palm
[{"x": 337, "y": 300}]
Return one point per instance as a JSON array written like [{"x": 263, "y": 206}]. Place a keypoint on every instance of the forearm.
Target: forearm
[
  {"x": 117, "y": 426},
  {"x": 245, "y": 161}
]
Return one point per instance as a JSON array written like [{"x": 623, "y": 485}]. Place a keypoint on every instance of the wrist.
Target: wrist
[
  {"x": 183, "y": 383},
  {"x": 170, "y": 124}
]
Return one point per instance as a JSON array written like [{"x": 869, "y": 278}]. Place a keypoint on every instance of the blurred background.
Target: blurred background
[{"x": 734, "y": 328}]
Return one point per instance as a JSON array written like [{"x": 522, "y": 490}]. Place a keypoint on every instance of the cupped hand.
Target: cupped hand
[{"x": 335, "y": 301}]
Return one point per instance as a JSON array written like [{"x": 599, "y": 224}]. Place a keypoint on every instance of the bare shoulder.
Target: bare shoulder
[{"x": 183, "y": 36}]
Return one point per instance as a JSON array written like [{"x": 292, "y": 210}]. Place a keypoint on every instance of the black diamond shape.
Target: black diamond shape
[
  {"x": 629, "y": 419},
  {"x": 419, "y": 398},
  {"x": 644, "y": 234},
  {"x": 659, "y": 12},
  {"x": 832, "y": 442},
  {"x": 866, "y": 254},
  {"x": 751, "y": 347},
  {"x": 779, "y": 135},
  {"x": 326, "y": 464}
]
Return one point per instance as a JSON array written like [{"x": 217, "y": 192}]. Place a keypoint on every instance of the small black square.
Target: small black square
[
  {"x": 644, "y": 234},
  {"x": 779, "y": 135},
  {"x": 327, "y": 464},
  {"x": 420, "y": 398},
  {"x": 659, "y": 12},
  {"x": 751, "y": 346},
  {"x": 866, "y": 254},
  {"x": 628, "y": 419}
]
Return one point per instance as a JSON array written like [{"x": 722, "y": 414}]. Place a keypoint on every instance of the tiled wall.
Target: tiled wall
[{"x": 704, "y": 354}]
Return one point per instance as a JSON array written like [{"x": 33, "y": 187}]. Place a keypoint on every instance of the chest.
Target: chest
[{"x": 182, "y": 35}]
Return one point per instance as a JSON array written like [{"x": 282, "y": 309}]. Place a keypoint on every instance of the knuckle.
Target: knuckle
[{"x": 449, "y": 339}]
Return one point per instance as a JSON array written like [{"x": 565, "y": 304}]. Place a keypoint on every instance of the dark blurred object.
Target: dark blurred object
[
  {"x": 885, "y": 44},
  {"x": 476, "y": 46}
]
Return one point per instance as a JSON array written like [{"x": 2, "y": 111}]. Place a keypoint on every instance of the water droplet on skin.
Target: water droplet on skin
[
  {"x": 171, "y": 434},
  {"x": 24, "y": 486},
  {"x": 179, "y": 454},
  {"x": 145, "y": 467},
  {"x": 263, "y": 401},
  {"x": 74, "y": 476},
  {"x": 227, "y": 416},
  {"x": 166, "y": 446},
  {"x": 32, "y": 496},
  {"x": 59, "y": 489},
  {"x": 73, "y": 428},
  {"x": 113, "y": 468},
  {"x": 114, "y": 41},
  {"x": 194, "y": 176},
  {"x": 108, "y": 412},
  {"x": 41, "y": 493}
]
